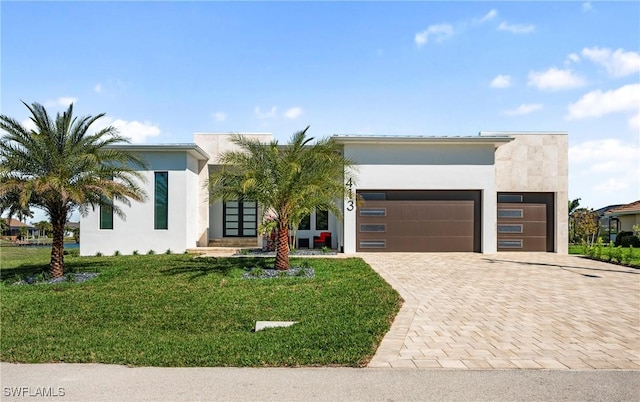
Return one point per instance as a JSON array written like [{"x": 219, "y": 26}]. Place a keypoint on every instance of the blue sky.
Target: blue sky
[{"x": 164, "y": 70}]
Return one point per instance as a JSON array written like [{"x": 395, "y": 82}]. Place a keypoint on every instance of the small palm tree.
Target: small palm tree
[
  {"x": 60, "y": 165},
  {"x": 287, "y": 181}
]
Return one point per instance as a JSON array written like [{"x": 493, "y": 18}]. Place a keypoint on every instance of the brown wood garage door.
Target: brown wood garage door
[
  {"x": 416, "y": 226},
  {"x": 526, "y": 222}
]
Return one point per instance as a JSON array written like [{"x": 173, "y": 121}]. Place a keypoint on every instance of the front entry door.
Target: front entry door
[{"x": 240, "y": 219}]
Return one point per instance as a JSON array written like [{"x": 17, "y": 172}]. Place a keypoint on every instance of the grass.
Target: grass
[
  {"x": 177, "y": 310},
  {"x": 629, "y": 256}
]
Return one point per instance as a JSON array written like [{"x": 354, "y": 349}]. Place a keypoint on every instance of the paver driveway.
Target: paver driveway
[{"x": 510, "y": 310}]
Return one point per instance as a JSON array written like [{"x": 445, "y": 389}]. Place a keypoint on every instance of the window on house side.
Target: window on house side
[
  {"x": 106, "y": 217},
  {"x": 161, "y": 201},
  {"x": 322, "y": 220},
  {"x": 305, "y": 223}
]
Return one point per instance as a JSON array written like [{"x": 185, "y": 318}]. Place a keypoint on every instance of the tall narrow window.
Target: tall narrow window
[
  {"x": 106, "y": 217},
  {"x": 305, "y": 223},
  {"x": 161, "y": 201},
  {"x": 322, "y": 220}
]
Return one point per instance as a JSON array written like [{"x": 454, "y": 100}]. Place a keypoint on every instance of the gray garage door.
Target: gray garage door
[{"x": 418, "y": 221}]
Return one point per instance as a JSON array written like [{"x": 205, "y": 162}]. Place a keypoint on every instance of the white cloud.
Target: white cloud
[
  {"x": 220, "y": 116},
  {"x": 28, "y": 124},
  {"x": 618, "y": 63},
  {"x": 598, "y": 103},
  {"x": 611, "y": 184},
  {"x": 554, "y": 79},
  {"x": 607, "y": 165},
  {"x": 587, "y": 6},
  {"x": 524, "y": 109},
  {"x": 489, "y": 16},
  {"x": 634, "y": 122},
  {"x": 293, "y": 112},
  {"x": 439, "y": 33},
  {"x": 517, "y": 28},
  {"x": 572, "y": 58},
  {"x": 501, "y": 81},
  {"x": 97, "y": 88},
  {"x": 265, "y": 115},
  {"x": 134, "y": 130},
  {"x": 63, "y": 101},
  {"x": 599, "y": 151}
]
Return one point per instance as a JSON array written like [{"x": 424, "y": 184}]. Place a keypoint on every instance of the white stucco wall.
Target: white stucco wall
[
  {"x": 136, "y": 231},
  {"x": 425, "y": 167}
]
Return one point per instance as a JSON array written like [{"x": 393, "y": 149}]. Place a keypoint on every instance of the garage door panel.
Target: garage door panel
[
  {"x": 522, "y": 228},
  {"x": 423, "y": 210},
  {"x": 522, "y": 243},
  {"x": 529, "y": 212},
  {"x": 416, "y": 228},
  {"x": 421, "y": 243}
]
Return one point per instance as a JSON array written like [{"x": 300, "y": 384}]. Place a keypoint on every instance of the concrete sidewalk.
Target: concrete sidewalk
[
  {"x": 96, "y": 382},
  {"x": 510, "y": 311}
]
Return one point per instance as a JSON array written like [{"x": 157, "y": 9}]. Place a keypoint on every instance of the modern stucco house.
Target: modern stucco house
[{"x": 496, "y": 191}]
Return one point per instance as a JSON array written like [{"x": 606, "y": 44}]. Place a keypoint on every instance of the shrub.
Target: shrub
[
  {"x": 168, "y": 252},
  {"x": 610, "y": 251},
  {"x": 135, "y": 252},
  {"x": 626, "y": 257},
  {"x": 631, "y": 240},
  {"x": 620, "y": 236},
  {"x": 98, "y": 254},
  {"x": 617, "y": 254},
  {"x": 598, "y": 248},
  {"x": 116, "y": 253},
  {"x": 151, "y": 252}
]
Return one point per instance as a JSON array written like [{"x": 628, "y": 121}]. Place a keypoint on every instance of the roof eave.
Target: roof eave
[
  {"x": 191, "y": 148},
  {"x": 367, "y": 139}
]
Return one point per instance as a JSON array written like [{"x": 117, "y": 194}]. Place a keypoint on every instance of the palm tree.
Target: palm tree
[
  {"x": 11, "y": 202},
  {"x": 59, "y": 166},
  {"x": 573, "y": 206},
  {"x": 287, "y": 181}
]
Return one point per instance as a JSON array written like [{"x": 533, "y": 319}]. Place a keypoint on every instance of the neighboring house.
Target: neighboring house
[
  {"x": 608, "y": 227},
  {"x": 496, "y": 191},
  {"x": 623, "y": 218},
  {"x": 15, "y": 227}
]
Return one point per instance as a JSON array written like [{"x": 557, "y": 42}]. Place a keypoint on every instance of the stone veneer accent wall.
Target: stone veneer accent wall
[{"x": 537, "y": 162}]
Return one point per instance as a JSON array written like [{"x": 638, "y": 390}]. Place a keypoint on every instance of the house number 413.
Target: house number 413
[{"x": 350, "y": 204}]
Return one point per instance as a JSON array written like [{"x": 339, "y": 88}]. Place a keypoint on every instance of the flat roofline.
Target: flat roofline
[
  {"x": 497, "y": 133},
  {"x": 191, "y": 148},
  {"x": 231, "y": 133},
  {"x": 497, "y": 140}
]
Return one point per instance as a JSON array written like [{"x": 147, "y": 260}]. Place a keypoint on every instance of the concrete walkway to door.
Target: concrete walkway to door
[{"x": 510, "y": 310}]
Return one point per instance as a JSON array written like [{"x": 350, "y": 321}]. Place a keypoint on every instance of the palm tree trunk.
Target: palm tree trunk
[
  {"x": 56, "y": 266},
  {"x": 282, "y": 250}
]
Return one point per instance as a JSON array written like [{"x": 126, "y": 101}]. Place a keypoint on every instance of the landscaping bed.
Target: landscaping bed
[
  {"x": 180, "y": 310},
  {"x": 627, "y": 256}
]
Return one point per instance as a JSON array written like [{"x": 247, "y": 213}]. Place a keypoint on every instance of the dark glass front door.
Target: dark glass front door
[{"x": 240, "y": 219}]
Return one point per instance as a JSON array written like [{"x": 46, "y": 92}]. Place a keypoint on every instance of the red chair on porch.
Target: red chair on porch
[{"x": 324, "y": 240}]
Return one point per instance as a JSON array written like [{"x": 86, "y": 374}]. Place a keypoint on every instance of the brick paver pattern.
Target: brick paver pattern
[{"x": 510, "y": 311}]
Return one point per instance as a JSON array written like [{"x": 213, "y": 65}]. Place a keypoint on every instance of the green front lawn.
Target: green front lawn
[{"x": 178, "y": 310}]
